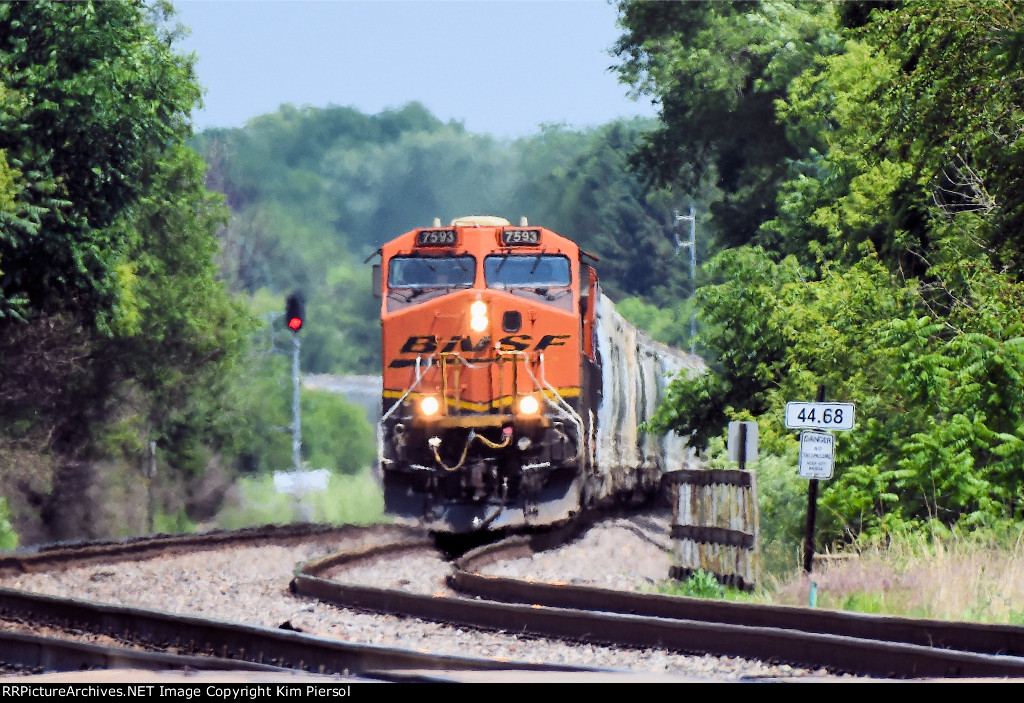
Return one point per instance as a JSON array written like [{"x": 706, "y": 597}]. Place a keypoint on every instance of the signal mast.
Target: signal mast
[{"x": 294, "y": 316}]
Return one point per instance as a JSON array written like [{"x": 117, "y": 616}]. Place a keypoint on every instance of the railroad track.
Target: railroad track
[
  {"x": 198, "y": 643},
  {"x": 842, "y": 642},
  {"x": 155, "y": 640},
  {"x": 869, "y": 645}
]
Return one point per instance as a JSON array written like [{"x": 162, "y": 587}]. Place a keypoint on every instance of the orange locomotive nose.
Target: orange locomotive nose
[
  {"x": 481, "y": 340},
  {"x": 495, "y": 363}
]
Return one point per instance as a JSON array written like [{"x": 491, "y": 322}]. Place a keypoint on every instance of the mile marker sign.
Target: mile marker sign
[{"x": 819, "y": 416}]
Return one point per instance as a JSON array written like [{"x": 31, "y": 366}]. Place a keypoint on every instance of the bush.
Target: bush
[
  {"x": 8, "y": 537},
  {"x": 703, "y": 584}
]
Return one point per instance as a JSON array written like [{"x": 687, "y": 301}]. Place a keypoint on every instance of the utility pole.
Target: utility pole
[{"x": 692, "y": 245}]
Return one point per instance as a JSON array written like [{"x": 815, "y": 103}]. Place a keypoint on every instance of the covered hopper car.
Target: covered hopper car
[{"x": 513, "y": 391}]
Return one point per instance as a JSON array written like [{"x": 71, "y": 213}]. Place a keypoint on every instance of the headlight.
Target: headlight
[
  {"x": 529, "y": 405},
  {"x": 478, "y": 316},
  {"x": 429, "y": 405}
]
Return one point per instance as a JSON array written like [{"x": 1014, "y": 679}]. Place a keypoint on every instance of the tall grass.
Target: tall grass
[
  {"x": 978, "y": 578},
  {"x": 348, "y": 499}
]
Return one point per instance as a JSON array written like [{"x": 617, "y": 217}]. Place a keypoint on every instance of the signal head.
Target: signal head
[{"x": 294, "y": 311}]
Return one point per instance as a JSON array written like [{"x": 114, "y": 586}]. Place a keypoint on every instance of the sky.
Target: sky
[{"x": 501, "y": 67}]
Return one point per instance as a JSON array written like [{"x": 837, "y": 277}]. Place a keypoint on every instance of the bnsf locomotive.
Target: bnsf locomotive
[{"x": 513, "y": 391}]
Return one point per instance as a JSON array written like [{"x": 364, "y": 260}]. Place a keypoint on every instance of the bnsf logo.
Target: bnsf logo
[{"x": 428, "y": 344}]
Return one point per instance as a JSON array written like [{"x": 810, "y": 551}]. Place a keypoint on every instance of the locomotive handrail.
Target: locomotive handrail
[
  {"x": 416, "y": 382},
  {"x": 561, "y": 406},
  {"x": 380, "y": 423},
  {"x": 466, "y": 362}
]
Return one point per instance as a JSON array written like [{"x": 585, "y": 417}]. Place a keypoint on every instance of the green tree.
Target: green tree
[
  {"x": 117, "y": 331},
  {"x": 890, "y": 271},
  {"x": 910, "y": 133},
  {"x": 668, "y": 325},
  {"x": 315, "y": 191},
  {"x": 93, "y": 92},
  {"x": 747, "y": 350},
  {"x": 716, "y": 70},
  {"x": 335, "y": 433},
  {"x": 578, "y": 185},
  {"x": 181, "y": 335}
]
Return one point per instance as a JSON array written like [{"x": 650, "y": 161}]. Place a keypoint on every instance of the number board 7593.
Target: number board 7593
[
  {"x": 820, "y": 416},
  {"x": 520, "y": 237}
]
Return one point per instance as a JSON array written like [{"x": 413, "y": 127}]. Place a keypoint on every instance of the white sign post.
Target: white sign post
[
  {"x": 817, "y": 455},
  {"x": 817, "y": 450}
]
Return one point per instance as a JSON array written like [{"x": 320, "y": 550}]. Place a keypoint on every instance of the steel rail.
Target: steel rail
[
  {"x": 223, "y": 645},
  {"x": 571, "y": 619},
  {"x": 966, "y": 636},
  {"x": 803, "y": 636},
  {"x": 78, "y": 553},
  {"x": 228, "y": 641},
  {"x": 38, "y": 653}
]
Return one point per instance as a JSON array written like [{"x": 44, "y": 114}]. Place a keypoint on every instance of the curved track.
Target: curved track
[
  {"x": 840, "y": 641},
  {"x": 227, "y": 645},
  {"x": 178, "y": 642}
]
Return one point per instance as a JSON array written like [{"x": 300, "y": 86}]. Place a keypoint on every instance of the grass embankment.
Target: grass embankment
[
  {"x": 970, "y": 579},
  {"x": 979, "y": 579}
]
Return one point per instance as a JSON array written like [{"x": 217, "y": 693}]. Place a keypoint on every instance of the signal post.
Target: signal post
[{"x": 294, "y": 316}]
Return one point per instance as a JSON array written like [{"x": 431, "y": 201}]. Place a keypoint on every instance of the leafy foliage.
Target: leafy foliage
[
  {"x": 579, "y": 186},
  {"x": 737, "y": 330},
  {"x": 717, "y": 69},
  {"x": 335, "y": 434},
  {"x": 92, "y": 93},
  {"x": 702, "y": 584},
  {"x": 350, "y": 500},
  {"x": 315, "y": 191},
  {"x": 669, "y": 324},
  {"x": 890, "y": 270},
  {"x": 117, "y": 331},
  {"x": 8, "y": 537}
]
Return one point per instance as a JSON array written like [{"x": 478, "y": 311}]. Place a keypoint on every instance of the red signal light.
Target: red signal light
[{"x": 295, "y": 311}]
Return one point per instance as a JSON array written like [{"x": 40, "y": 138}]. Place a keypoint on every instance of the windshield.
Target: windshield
[
  {"x": 431, "y": 272},
  {"x": 527, "y": 271}
]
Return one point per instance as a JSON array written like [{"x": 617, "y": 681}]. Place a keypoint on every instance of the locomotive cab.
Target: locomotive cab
[{"x": 483, "y": 424}]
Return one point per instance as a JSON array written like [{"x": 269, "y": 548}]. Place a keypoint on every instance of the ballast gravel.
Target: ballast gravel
[{"x": 250, "y": 585}]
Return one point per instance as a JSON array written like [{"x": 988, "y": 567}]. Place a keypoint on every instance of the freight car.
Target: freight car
[{"x": 513, "y": 392}]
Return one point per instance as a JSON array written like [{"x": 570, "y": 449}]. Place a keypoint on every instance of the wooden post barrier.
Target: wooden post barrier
[{"x": 715, "y": 525}]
